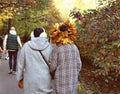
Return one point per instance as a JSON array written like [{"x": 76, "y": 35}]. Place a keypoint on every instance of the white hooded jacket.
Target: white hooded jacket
[{"x": 32, "y": 67}]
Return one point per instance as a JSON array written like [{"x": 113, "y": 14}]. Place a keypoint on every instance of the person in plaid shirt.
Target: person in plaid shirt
[{"x": 65, "y": 58}]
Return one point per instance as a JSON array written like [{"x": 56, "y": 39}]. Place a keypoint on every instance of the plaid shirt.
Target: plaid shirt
[{"x": 66, "y": 61}]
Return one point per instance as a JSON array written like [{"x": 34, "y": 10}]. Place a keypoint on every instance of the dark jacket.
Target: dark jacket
[{"x": 1, "y": 42}]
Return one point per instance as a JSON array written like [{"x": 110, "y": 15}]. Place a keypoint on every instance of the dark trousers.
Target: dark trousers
[{"x": 13, "y": 57}]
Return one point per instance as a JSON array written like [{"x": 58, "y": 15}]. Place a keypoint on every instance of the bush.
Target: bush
[{"x": 99, "y": 38}]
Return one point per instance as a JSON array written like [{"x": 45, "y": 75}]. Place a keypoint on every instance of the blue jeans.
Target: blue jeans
[
  {"x": 0, "y": 55},
  {"x": 12, "y": 57}
]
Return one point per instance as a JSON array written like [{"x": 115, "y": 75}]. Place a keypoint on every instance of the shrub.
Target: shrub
[{"x": 99, "y": 38}]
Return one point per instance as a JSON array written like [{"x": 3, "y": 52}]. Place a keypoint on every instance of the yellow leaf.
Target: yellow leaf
[
  {"x": 1, "y": 24},
  {"x": 118, "y": 45}
]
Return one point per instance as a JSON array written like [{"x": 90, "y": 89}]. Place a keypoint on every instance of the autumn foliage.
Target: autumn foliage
[
  {"x": 63, "y": 33},
  {"x": 99, "y": 39},
  {"x": 25, "y": 15}
]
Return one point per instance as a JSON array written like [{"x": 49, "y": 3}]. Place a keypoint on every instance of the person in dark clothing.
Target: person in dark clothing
[
  {"x": 1, "y": 42},
  {"x": 11, "y": 43},
  {"x": 1, "y": 46}
]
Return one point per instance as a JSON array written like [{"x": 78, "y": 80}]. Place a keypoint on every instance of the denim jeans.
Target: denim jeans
[
  {"x": 12, "y": 57},
  {"x": 0, "y": 55}
]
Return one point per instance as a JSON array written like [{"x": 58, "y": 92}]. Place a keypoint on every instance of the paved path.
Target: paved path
[{"x": 8, "y": 83}]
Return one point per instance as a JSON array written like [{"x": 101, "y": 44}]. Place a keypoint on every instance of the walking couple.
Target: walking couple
[{"x": 62, "y": 55}]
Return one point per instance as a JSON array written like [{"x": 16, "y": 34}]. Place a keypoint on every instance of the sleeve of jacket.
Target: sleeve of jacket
[
  {"x": 5, "y": 42},
  {"x": 79, "y": 63},
  {"x": 19, "y": 42},
  {"x": 53, "y": 59},
  {"x": 20, "y": 64}
]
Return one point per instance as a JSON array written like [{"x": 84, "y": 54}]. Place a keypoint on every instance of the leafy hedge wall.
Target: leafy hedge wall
[{"x": 99, "y": 38}]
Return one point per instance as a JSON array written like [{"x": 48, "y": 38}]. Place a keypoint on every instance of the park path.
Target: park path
[{"x": 8, "y": 83}]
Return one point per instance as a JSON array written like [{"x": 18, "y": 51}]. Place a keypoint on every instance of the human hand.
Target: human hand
[
  {"x": 4, "y": 51},
  {"x": 20, "y": 83}
]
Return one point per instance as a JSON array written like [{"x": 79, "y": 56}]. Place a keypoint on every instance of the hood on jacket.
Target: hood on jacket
[
  {"x": 12, "y": 31},
  {"x": 40, "y": 42},
  {"x": 43, "y": 34}
]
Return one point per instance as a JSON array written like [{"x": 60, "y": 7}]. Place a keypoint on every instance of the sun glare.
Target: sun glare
[
  {"x": 65, "y": 6},
  {"x": 86, "y": 1}
]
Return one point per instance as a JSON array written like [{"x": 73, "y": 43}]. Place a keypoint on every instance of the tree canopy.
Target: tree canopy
[{"x": 26, "y": 15}]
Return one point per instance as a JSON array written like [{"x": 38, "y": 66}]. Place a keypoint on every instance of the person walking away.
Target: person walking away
[
  {"x": 31, "y": 66},
  {"x": 1, "y": 47},
  {"x": 65, "y": 58},
  {"x": 12, "y": 43}
]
